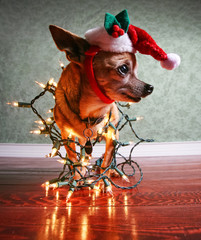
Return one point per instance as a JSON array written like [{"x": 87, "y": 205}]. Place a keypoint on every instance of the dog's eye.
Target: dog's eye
[{"x": 123, "y": 70}]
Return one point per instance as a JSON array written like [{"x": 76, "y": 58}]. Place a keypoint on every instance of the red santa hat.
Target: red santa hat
[{"x": 118, "y": 35}]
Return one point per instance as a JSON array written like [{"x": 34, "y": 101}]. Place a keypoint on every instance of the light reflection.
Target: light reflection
[
  {"x": 84, "y": 228},
  {"x": 46, "y": 190},
  {"x": 54, "y": 218},
  {"x": 57, "y": 195},
  {"x": 126, "y": 206},
  {"x": 134, "y": 229},
  {"x": 69, "y": 208},
  {"x": 47, "y": 227},
  {"x": 111, "y": 208},
  {"x": 63, "y": 226}
]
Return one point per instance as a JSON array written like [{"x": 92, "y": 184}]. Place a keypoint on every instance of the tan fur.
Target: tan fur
[{"x": 75, "y": 100}]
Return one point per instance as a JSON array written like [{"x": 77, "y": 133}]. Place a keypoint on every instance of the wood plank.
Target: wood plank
[
  {"x": 166, "y": 205},
  {"x": 101, "y": 222}
]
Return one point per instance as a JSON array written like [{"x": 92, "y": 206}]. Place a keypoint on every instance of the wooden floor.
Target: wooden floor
[{"x": 166, "y": 205}]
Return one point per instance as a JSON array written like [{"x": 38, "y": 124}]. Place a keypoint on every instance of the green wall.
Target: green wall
[{"x": 28, "y": 53}]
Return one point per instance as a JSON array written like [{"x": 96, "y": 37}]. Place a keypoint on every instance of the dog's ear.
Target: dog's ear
[{"x": 73, "y": 45}]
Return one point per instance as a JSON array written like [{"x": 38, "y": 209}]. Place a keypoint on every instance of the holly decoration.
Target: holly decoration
[{"x": 118, "y": 25}]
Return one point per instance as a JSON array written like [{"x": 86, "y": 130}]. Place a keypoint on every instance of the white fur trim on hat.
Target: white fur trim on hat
[
  {"x": 173, "y": 60},
  {"x": 99, "y": 37}
]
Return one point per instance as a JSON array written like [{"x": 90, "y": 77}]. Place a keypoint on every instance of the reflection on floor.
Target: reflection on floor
[{"x": 166, "y": 205}]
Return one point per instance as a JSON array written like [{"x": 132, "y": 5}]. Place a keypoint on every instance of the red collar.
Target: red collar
[{"x": 88, "y": 63}]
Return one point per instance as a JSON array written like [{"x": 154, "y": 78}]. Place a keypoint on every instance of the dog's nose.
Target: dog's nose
[{"x": 148, "y": 89}]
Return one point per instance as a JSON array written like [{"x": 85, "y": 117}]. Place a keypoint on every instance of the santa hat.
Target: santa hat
[{"x": 118, "y": 35}]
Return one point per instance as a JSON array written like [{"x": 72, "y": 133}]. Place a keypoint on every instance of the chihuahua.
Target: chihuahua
[{"x": 77, "y": 105}]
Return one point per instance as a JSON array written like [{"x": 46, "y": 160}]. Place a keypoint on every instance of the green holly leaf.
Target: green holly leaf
[
  {"x": 110, "y": 21},
  {"x": 121, "y": 19}
]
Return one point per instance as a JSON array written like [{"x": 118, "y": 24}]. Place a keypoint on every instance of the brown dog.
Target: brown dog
[{"x": 77, "y": 106}]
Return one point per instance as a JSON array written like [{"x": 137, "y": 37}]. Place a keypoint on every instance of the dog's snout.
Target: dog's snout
[{"x": 148, "y": 89}]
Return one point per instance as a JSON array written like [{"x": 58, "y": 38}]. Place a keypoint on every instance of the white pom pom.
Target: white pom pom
[{"x": 173, "y": 60}]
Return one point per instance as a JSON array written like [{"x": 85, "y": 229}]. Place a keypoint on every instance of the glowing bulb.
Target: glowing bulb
[
  {"x": 45, "y": 184},
  {"x": 70, "y": 193},
  {"x": 15, "y": 104},
  {"x": 41, "y": 84},
  {"x": 109, "y": 190},
  {"x": 89, "y": 181},
  {"x": 39, "y": 122},
  {"x": 53, "y": 185},
  {"x": 106, "y": 120},
  {"x": 20, "y": 104},
  {"x": 50, "y": 119},
  {"x": 84, "y": 164},
  {"x": 96, "y": 187},
  {"x": 50, "y": 110},
  {"x": 61, "y": 64},
  {"x": 70, "y": 135},
  {"x": 54, "y": 151},
  {"x": 55, "y": 84},
  {"x": 113, "y": 137},
  {"x": 100, "y": 131},
  {"x": 61, "y": 161},
  {"x": 40, "y": 131},
  {"x": 125, "y": 178},
  {"x": 50, "y": 82},
  {"x": 139, "y": 118},
  {"x": 55, "y": 148},
  {"x": 36, "y": 131}
]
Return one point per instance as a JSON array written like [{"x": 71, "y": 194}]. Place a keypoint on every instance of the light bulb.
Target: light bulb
[
  {"x": 125, "y": 178},
  {"x": 113, "y": 137},
  {"x": 70, "y": 193},
  {"x": 61, "y": 161},
  {"x": 100, "y": 131},
  {"x": 61, "y": 64},
  {"x": 39, "y": 122},
  {"x": 41, "y": 84},
  {"x": 50, "y": 82},
  {"x": 45, "y": 184},
  {"x": 50, "y": 110},
  {"x": 139, "y": 118},
  {"x": 38, "y": 131},
  {"x": 15, "y": 104},
  {"x": 109, "y": 190},
  {"x": 54, "y": 151},
  {"x": 55, "y": 148},
  {"x": 20, "y": 104},
  {"x": 70, "y": 135},
  {"x": 53, "y": 185}
]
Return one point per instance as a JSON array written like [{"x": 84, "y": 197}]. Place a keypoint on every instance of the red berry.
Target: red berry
[
  {"x": 116, "y": 28},
  {"x": 121, "y": 32},
  {"x": 115, "y": 34}
]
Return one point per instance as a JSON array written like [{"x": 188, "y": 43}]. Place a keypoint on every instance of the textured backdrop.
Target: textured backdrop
[{"x": 28, "y": 53}]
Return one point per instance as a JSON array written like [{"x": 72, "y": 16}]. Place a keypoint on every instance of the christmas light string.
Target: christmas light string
[{"x": 92, "y": 176}]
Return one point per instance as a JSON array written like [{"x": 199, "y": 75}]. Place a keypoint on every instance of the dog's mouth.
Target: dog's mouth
[{"x": 133, "y": 99}]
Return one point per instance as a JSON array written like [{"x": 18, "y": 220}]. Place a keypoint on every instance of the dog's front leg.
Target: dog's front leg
[
  {"x": 70, "y": 147},
  {"x": 110, "y": 147}
]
